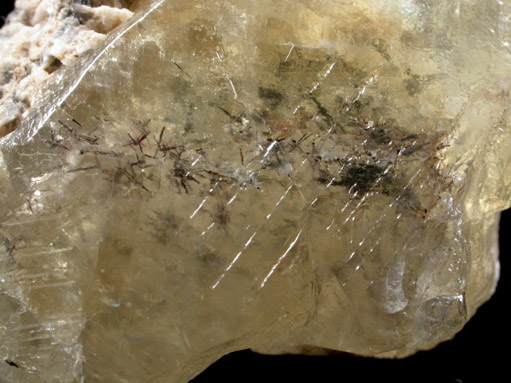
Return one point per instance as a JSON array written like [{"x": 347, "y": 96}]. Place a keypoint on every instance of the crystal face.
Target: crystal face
[{"x": 221, "y": 175}]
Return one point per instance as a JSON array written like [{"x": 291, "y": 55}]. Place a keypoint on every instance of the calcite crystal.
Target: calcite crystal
[{"x": 221, "y": 175}]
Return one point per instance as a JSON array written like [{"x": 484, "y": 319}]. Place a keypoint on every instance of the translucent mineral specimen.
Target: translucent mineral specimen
[{"x": 220, "y": 175}]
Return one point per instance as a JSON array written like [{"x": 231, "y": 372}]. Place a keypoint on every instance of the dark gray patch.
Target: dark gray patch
[
  {"x": 379, "y": 136},
  {"x": 361, "y": 178},
  {"x": 54, "y": 64},
  {"x": 11, "y": 363},
  {"x": 413, "y": 85},
  {"x": 6, "y": 77},
  {"x": 323, "y": 111},
  {"x": 271, "y": 97}
]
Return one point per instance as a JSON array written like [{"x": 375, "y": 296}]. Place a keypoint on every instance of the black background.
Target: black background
[{"x": 479, "y": 353}]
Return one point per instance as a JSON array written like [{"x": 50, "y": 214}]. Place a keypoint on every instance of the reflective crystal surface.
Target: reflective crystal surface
[{"x": 221, "y": 175}]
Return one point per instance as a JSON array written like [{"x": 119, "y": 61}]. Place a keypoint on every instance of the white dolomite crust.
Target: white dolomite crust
[{"x": 39, "y": 38}]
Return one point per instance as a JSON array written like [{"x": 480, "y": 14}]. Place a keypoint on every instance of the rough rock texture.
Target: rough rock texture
[
  {"x": 43, "y": 36},
  {"x": 256, "y": 174}
]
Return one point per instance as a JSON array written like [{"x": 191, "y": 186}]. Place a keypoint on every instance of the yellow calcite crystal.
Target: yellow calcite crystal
[{"x": 221, "y": 175}]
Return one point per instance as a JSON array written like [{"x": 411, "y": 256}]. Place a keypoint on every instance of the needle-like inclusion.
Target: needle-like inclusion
[{"x": 228, "y": 174}]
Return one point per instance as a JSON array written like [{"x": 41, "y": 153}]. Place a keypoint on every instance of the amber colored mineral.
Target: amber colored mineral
[{"x": 222, "y": 175}]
